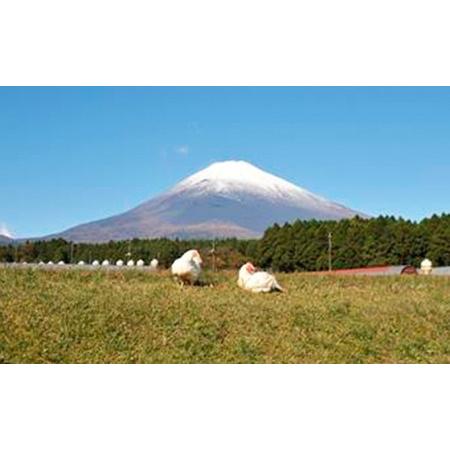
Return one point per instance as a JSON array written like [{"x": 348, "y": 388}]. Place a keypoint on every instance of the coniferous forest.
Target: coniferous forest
[
  {"x": 297, "y": 246},
  {"x": 304, "y": 245}
]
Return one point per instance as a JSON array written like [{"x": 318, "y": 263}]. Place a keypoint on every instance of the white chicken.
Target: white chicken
[
  {"x": 188, "y": 267},
  {"x": 253, "y": 281}
]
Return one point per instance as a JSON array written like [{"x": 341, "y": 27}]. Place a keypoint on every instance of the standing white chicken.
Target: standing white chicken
[
  {"x": 251, "y": 280},
  {"x": 188, "y": 267}
]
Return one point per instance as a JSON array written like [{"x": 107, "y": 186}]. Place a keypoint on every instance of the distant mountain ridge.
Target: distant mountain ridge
[
  {"x": 227, "y": 199},
  {"x": 5, "y": 239}
]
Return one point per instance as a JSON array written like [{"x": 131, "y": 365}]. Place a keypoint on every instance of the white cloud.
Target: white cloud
[
  {"x": 4, "y": 230},
  {"x": 183, "y": 150}
]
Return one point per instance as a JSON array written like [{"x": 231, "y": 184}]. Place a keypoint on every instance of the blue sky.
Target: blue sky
[{"x": 71, "y": 155}]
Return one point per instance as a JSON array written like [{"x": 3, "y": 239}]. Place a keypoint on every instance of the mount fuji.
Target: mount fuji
[{"x": 227, "y": 199}]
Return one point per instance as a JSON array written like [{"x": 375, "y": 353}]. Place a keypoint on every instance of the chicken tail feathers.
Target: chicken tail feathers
[{"x": 277, "y": 287}]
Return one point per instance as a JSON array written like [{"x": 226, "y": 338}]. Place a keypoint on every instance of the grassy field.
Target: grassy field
[{"x": 75, "y": 316}]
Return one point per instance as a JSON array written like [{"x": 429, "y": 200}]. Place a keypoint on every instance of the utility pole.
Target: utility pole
[
  {"x": 129, "y": 249},
  {"x": 213, "y": 253},
  {"x": 330, "y": 248}
]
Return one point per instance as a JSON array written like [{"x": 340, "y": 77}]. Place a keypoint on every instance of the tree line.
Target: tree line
[
  {"x": 221, "y": 254},
  {"x": 356, "y": 242},
  {"x": 297, "y": 246}
]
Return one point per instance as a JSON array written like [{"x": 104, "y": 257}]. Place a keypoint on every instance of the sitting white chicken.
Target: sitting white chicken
[
  {"x": 188, "y": 267},
  {"x": 251, "y": 280}
]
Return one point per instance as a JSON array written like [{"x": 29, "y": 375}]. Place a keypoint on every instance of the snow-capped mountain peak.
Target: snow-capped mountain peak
[
  {"x": 226, "y": 199},
  {"x": 235, "y": 172},
  {"x": 238, "y": 177}
]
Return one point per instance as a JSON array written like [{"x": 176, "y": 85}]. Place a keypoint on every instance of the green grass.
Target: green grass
[{"x": 132, "y": 317}]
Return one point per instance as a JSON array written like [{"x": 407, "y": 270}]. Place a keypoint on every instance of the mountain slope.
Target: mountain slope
[
  {"x": 227, "y": 199},
  {"x": 5, "y": 239}
]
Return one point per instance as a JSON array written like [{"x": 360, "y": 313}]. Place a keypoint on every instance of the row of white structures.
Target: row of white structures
[{"x": 120, "y": 263}]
